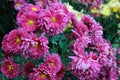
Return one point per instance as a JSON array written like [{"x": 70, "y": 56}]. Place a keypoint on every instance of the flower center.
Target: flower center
[
  {"x": 51, "y": 63},
  {"x": 10, "y": 67},
  {"x": 34, "y": 9},
  {"x": 42, "y": 75},
  {"x": 30, "y": 22},
  {"x": 18, "y": 40},
  {"x": 35, "y": 45},
  {"x": 53, "y": 19},
  {"x": 41, "y": 2},
  {"x": 17, "y": 4}
]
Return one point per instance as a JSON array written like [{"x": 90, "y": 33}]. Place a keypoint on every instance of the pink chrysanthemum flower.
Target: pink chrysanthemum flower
[
  {"x": 40, "y": 73},
  {"x": 27, "y": 18},
  {"x": 42, "y": 3},
  {"x": 85, "y": 67},
  {"x": 12, "y": 42},
  {"x": 61, "y": 8},
  {"x": 9, "y": 68},
  {"x": 19, "y": 4},
  {"x": 80, "y": 29},
  {"x": 28, "y": 21},
  {"x": 88, "y": 21},
  {"x": 34, "y": 47},
  {"x": 52, "y": 22},
  {"x": 61, "y": 73},
  {"x": 53, "y": 63},
  {"x": 30, "y": 8},
  {"x": 28, "y": 68}
]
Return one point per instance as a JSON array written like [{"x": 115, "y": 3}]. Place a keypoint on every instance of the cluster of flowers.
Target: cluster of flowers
[
  {"x": 91, "y": 3},
  {"x": 94, "y": 59},
  {"x": 19, "y": 4},
  {"x": 51, "y": 20},
  {"x": 50, "y": 69},
  {"x": 94, "y": 56},
  {"x": 33, "y": 20},
  {"x": 113, "y": 6}
]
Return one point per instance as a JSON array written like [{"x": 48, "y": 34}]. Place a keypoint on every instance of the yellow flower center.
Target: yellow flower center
[
  {"x": 30, "y": 22},
  {"x": 17, "y": 4},
  {"x": 41, "y": 2},
  {"x": 35, "y": 45},
  {"x": 10, "y": 67},
  {"x": 42, "y": 75},
  {"x": 51, "y": 63},
  {"x": 53, "y": 19},
  {"x": 34, "y": 9},
  {"x": 18, "y": 40}
]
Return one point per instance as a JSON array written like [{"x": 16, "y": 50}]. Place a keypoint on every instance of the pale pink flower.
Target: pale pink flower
[{"x": 85, "y": 67}]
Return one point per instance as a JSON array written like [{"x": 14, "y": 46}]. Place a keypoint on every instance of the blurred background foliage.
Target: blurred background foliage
[{"x": 60, "y": 43}]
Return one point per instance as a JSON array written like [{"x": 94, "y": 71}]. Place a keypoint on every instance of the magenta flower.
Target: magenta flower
[
  {"x": 12, "y": 42},
  {"x": 61, "y": 73},
  {"x": 9, "y": 68},
  {"x": 42, "y": 3},
  {"x": 27, "y": 18},
  {"x": 28, "y": 21},
  {"x": 85, "y": 67},
  {"x": 40, "y": 73},
  {"x": 19, "y": 4},
  {"x": 80, "y": 29},
  {"x": 28, "y": 68},
  {"x": 52, "y": 22},
  {"x": 34, "y": 47},
  {"x": 61, "y": 8},
  {"x": 53, "y": 63},
  {"x": 32, "y": 8}
]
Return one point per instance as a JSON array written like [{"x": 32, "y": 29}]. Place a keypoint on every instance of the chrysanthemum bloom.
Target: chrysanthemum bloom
[
  {"x": 19, "y": 4},
  {"x": 12, "y": 42},
  {"x": 42, "y": 3},
  {"x": 80, "y": 29},
  {"x": 28, "y": 21},
  {"x": 61, "y": 8},
  {"x": 40, "y": 73},
  {"x": 52, "y": 22},
  {"x": 88, "y": 21},
  {"x": 34, "y": 47},
  {"x": 77, "y": 47},
  {"x": 61, "y": 73},
  {"x": 30, "y": 8},
  {"x": 85, "y": 67},
  {"x": 53, "y": 63},
  {"x": 9, "y": 68},
  {"x": 28, "y": 68}
]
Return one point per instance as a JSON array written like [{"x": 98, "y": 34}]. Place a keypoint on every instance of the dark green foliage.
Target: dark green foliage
[{"x": 7, "y": 17}]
